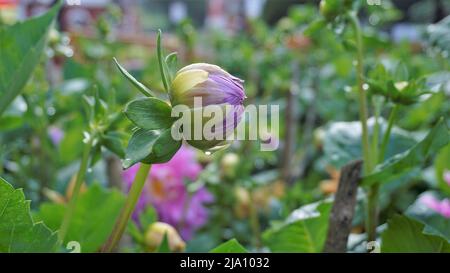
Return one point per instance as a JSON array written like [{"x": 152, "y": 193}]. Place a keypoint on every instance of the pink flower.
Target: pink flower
[
  {"x": 441, "y": 207},
  {"x": 166, "y": 192},
  {"x": 56, "y": 135}
]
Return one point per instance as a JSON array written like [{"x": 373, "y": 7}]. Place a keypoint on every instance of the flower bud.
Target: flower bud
[
  {"x": 155, "y": 234},
  {"x": 200, "y": 85},
  {"x": 330, "y": 9},
  {"x": 229, "y": 163},
  {"x": 401, "y": 85}
]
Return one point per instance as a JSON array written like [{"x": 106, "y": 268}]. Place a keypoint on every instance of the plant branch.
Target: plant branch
[
  {"x": 387, "y": 134},
  {"x": 130, "y": 204}
]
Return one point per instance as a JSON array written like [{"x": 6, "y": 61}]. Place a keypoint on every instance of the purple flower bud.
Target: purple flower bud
[{"x": 209, "y": 85}]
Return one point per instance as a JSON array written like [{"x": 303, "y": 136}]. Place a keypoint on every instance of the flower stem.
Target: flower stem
[
  {"x": 362, "y": 94},
  {"x": 130, "y": 204},
  {"x": 254, "y": 222},
  {"x": 372, "y": 212},
  {"x": 76, "y": 190},
  {"x": 372, "y": 208},
  {"x": 372, "y": 201},
  {"x": 387, "y": 134}
]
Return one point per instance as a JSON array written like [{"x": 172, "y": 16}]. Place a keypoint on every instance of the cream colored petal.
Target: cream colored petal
[
  {"x": 188, "y": 79},
  {"x": 204, "y": 66}
]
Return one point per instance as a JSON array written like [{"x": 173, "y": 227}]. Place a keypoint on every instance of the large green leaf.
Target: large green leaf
[
  {"x": 406, "y": 235},
  {"x": 149, "y": 113},
  {"x": 20, "y": 49},
  {"x": 439, "y": 35},
  {"x": 230, "y": 246},
  {"x": 150, "y": 146},
  {"x": 93, "y": 219},
  {"x": 307, "y": 234},
  {"x": 18, "y": 232},
  {"x": 399, "y": 164},
  {"x": 342, "y": 141}
]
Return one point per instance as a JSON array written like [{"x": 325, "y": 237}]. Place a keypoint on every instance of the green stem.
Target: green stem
[
  {"x": 376, "y": 131},
  {"x": 254, "y": 222},
  {"x": 372, "y": 212},
  {"x": 76, "y": 191},
  {"x": 387, "y": 134},
  {"x": 130, "y": 204},
  {"x": 372, "y": 201},
  {"x": 362, "y": 94}
]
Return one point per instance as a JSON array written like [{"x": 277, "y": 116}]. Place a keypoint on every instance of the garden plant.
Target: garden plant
[{"x": 351, "y": 155}]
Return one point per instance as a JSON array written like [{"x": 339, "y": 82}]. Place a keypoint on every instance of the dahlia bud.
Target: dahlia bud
[
  {"x": 200, "y": 85},
  {"x": 155, "y": 234},
  {"x": 229, "y": 163}
]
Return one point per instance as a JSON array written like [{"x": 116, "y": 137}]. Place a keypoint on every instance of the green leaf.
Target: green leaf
[
  {"x": 150, "y": 146},
  {"x": 441, "y": 164},
  {"x": 397, "y": 165},
  {"x": 406, "y": 235},
  {"x": 164, "y": 246},
  {"x": 314, "y": 27},
  {"x": 93, "y": 220},
  {"x": 307, "y": 234},
  {"x": 172, "y": 63},
  {"x": 439, "y": 35},
  {"x": 342, "y": 141},
  {"x": 230, "y": 246},
  {"x": 149, "y": 113},
  {"x": 435, "y": 224},
  {"x": 148, "y": 217},
  {"x": 134, "y": 231},
  {"x": 162, "y": 63},
  {"x": 18, "y": 232},
  {"x": 20, "y": 49},
  {"x": 113, "y": 141},
  {"x": 142, "y": 88}
]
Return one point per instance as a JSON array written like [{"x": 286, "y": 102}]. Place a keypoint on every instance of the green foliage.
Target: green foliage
[
  {"x": 396, "y": 85},
  {"x": 164, "y": 246},
  {"x": 20, "y": 50},
  {"x": 163, "y": 68},
  {"x": 18, "y": 231},
  {"x": 397, "y": 165},
  {"x": 142, "y": 88},
  {"x": 406, "y": 235},
  {"x": 435, "y": 224},
  {"x": 150, "y": 146},
  {"x": 149, "y": 113},
  {"x": 93, "y": 219},
  {"x": 230, "y": 246},
  {"x": 439, "y": 35},
  {"x": 342, "y": 141},
  {"x": 306, "y": 234},
  {"x": 442, "y": 164}
]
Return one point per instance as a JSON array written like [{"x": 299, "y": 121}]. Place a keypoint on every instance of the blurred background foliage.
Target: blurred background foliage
[{"x": 311, "y": 77}]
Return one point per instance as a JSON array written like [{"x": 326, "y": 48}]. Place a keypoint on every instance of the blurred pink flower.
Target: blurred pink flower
[
  {"x": 441, "y": 207},
  {"x": 56, "y": 135},
  {"x": 166, "y": 191}
]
